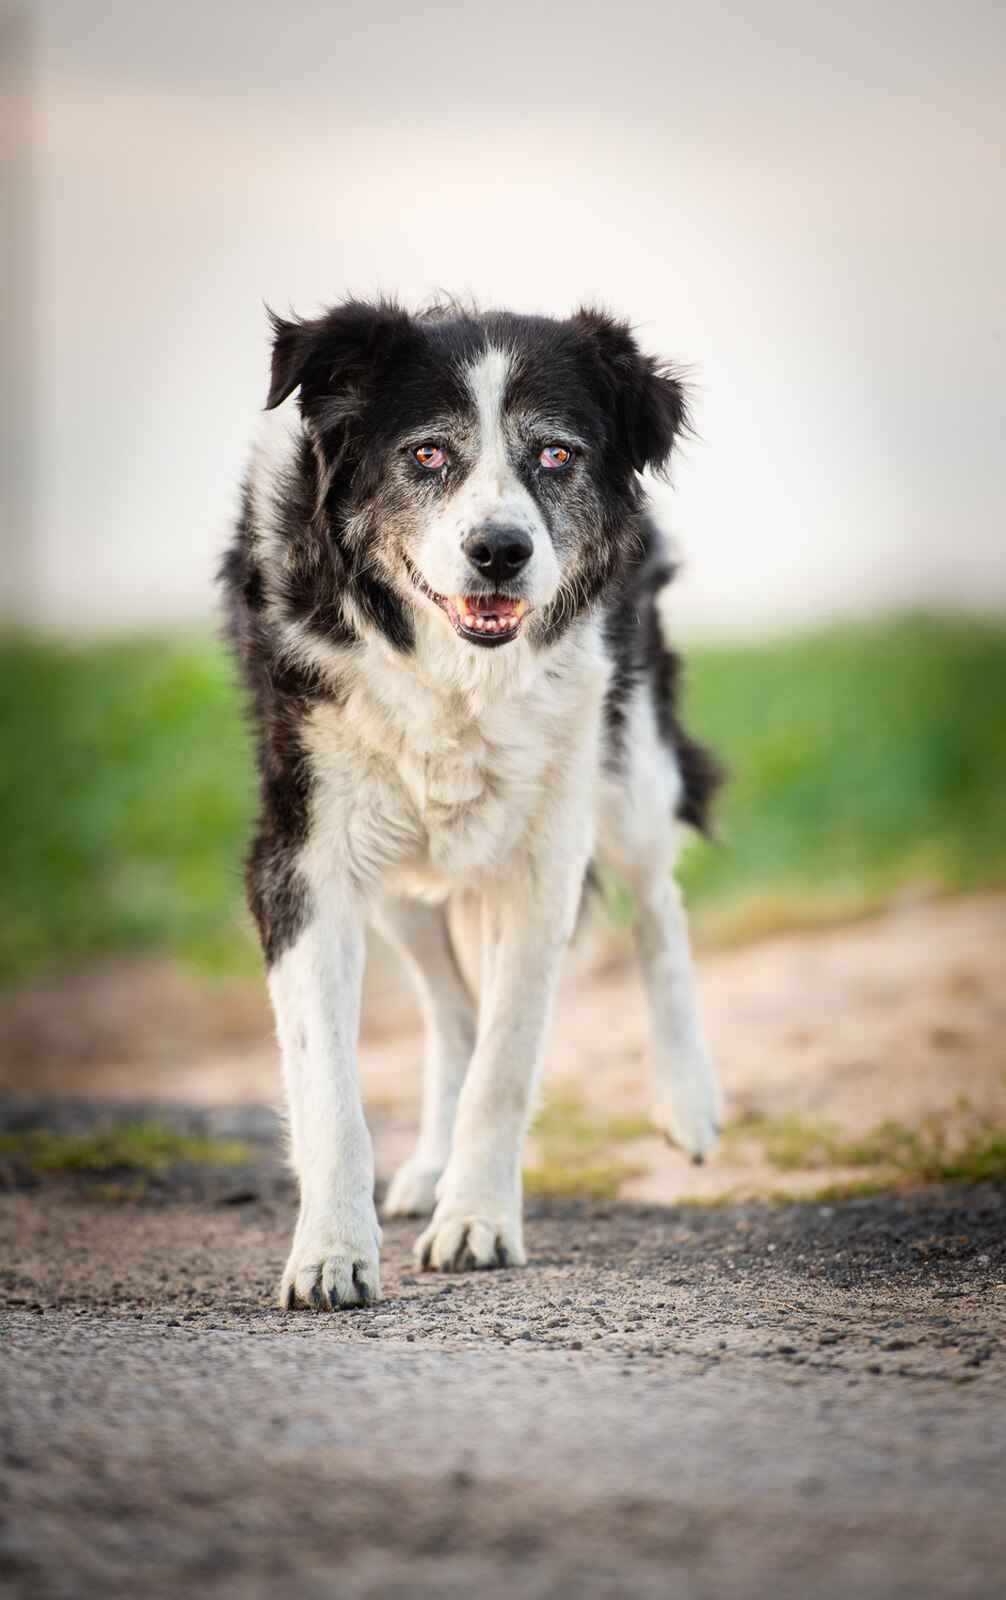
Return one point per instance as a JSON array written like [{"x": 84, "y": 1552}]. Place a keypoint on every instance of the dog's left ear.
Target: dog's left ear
[{"x": 646, "y": 397}]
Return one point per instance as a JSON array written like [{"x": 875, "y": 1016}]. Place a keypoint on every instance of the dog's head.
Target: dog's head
[{"x": 485, "y": 465}]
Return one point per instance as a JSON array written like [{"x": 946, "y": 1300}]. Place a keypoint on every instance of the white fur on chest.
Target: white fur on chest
[{"x": 432, "y": 767}]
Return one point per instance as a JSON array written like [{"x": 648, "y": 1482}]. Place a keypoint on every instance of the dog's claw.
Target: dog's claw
[
  {"x": 687, "y": 1105},
  {"x": 329, "y": 1278},
  {"x": 469, "y": 1244}
]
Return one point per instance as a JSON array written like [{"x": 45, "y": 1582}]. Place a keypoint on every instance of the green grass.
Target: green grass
[
  {"x": 864, "y": 761},
  {"x": 143, "y": 1148},
  {"x": 892, "y": 1157},
  {"x": 125, "y": 798},
  {"x": 574, "y": 1149},
  {"x": 958, "y": 1149}
]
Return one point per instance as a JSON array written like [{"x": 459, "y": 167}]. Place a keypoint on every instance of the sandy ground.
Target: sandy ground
[
  {"x": 899, "y": 1017},
  {"x": 705, "y": 1401}
]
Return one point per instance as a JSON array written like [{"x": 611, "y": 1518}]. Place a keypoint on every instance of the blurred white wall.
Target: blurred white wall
[{"x": 802, "y": 202}]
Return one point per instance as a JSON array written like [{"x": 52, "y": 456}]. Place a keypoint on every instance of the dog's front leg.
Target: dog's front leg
[
  {"x": 315, "y": 988},
  {"x": 477, "y": 1221}
]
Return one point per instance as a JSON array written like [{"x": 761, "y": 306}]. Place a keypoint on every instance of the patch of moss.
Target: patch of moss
[
  {"x": 574, "y": 1147},
  {"x": 790, "y": 1143},
  {"x": 956, "y": 1149},
  {"x": 120, "y": 1194},
  {"x": 143, "y": 1148},
  {"x": 565, "y": 1123},
  {"x": 596, "y": 1180},
  {"x": 834, "y": 1193}
]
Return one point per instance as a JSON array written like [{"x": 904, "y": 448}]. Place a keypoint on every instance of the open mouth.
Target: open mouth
[{"x": 486, "y": 619}]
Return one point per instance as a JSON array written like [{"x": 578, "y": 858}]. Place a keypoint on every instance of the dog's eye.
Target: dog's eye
[
  {"x": 555, "y": 457},
  {"x": 429, "y": 456}
]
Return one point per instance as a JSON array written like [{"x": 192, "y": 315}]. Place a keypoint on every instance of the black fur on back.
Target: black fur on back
[
  {"x": 280, "y": 693},
  {"x": 640, "y": 655}
]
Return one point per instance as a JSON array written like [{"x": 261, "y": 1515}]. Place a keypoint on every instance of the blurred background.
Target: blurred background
[{"x": 799, "y": 203}]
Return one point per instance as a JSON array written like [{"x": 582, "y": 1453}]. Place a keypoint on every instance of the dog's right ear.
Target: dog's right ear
[
  {"x": 328, "y": 354},
  {"x": 646, "y": 398}
]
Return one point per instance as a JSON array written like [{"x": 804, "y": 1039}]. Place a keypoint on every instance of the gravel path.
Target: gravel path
[{"x": 700, "y": 1402}]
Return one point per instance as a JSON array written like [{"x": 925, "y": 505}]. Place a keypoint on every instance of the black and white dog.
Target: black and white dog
[{"x": 444, "y": 592}]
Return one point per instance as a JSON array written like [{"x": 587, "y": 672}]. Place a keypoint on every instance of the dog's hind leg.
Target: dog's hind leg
[
  {"x": 686, "y": 1097},
  {"x": 420, "y": 934},
  {"x": 638, "y": 845}
]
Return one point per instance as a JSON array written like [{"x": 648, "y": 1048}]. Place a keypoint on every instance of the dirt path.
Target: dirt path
[
  {"x": 707, "y": 1402},
  {"x": 898, "y": 1018}
]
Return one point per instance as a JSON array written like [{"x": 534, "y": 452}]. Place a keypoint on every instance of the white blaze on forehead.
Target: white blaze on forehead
[
  {"x": 487, "y": 379},
  {"x": 492, "y": 491}
]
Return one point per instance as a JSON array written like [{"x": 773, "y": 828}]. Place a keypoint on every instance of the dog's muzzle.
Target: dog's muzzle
[{"x": 483, "y": 619}]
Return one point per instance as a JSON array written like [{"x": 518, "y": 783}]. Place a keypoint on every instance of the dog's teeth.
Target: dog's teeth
[{"x": 488, "y": 621}]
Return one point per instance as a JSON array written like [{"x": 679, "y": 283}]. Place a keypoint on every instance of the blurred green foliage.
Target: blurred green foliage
[
  {"x": 957, "y": 1148},
  {"x": 142, "y": 1147},
  {"x": 125, "y": 797},
  {"x": 574, "y": 1145},
  {"x": 864, "y": 761}
]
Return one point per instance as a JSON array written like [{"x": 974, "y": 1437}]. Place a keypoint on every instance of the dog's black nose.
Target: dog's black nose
[{"x": 498, "y": 553}]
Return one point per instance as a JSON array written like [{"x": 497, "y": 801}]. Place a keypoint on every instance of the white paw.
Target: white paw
[
  {"x": 412, "y": 1192},
  {"x": 458, "y": 1241},
  {"x": 687, "y": 1106},
  {"x": 326, "y": 1272}
]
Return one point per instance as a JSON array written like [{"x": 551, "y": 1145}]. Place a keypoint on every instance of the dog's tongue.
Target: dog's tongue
[
  {"x": 493, "y": 605},
  {"x": 488, "y": 613}
]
